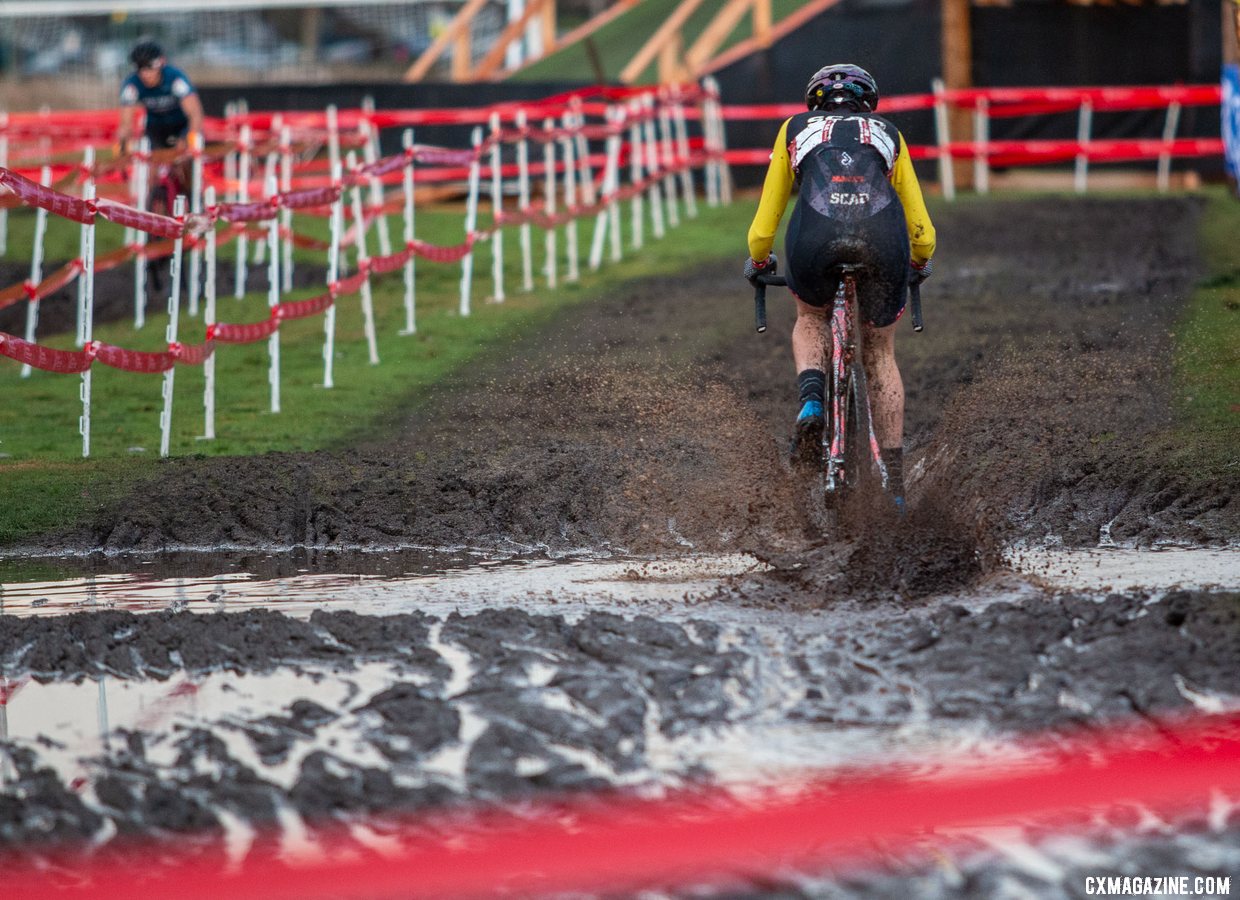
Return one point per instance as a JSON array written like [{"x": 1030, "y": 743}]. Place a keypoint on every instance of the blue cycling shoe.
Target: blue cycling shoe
[
  {"x": 899, "y": 505},
  {"x": 807, "y": 434}
]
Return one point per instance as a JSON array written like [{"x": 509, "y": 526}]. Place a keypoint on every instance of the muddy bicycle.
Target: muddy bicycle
[{"x": 849, "y": 435}]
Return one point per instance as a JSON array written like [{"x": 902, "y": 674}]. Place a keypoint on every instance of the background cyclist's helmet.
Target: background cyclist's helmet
[
  {"x": 145, "y": 53},
  {"x": 842, "y": 85}
]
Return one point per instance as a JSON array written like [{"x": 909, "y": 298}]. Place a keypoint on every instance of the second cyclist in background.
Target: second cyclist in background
[
  {"x": 173, "y": 108},
  {"x": 860, "y": 205}
]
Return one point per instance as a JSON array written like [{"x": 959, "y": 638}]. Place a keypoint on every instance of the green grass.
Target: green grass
[
  {"x": 1207, "y": 362},
  {"x": 47, "y": 483},
  {"x": 619, "y": 40}
]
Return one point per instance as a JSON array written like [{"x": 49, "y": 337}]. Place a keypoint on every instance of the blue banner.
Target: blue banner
[{"x": 1231, "y": 118}]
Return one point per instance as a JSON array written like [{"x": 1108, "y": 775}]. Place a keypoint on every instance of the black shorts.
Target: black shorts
[
  {"x": 849, "y": 216},
  {"x": 163, "y": 138}
]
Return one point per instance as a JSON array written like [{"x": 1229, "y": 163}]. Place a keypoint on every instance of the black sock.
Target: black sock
[
  {"x": 893, "y": 459},
  {"x": 812, "y": 383}
]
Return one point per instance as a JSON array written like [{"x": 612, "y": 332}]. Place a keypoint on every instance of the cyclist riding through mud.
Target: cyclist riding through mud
[
  {"x": 860, "y": 204},
  {"x": 173, "y": 108}
]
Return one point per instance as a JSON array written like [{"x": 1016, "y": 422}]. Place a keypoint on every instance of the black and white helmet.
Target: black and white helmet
[{"x": 842, "y": 85}]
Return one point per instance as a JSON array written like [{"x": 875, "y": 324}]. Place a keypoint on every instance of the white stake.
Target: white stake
[
  {"x": 370, "y": 153},
  {"x": 1164, "y": 159},
  {"x": 142, "y": 191},
  {"x": 4, "y": 161},
  {"x": 497, "y": 209},
  {"x": 668, "y": 159},
  {"x": 585, "y": 171},
  {"x": 411, "y": 324},
  {"x": 721, "y": 141},
  {"x": 363, "y": 265},
  {"x": 286, "y": 214},
  {"x": 86, "y": 308},
  {"x": 1084, "y": 125},
  {"x": 36, "y": 266},
  {"x": 174, "y": 312},
  {"x": 243, "y": 195},
  {"x": 333, "y": 136},
  {"x": 981, "y": 137},
  {"x": 549, "y": 201},
  {"x": 85, "y": 285},
  {"x": 270, "y": 167},
  {"x": 652, "y": 167},
  {"x": 687, "y": 189},
  {"x": 615, "y": 143},
  {"x": 523, "y": 201},
  {"x": 609, "y": 216},
  {"x": 942, "y": 130},
  {"x": 635, "y": 173},
  {"x": 208, "y": 366},
  {"x": 333, "y": 275},
  {"x": 471, "y": 222},
  {"x": 570, "y": 202},
  {"x": 273, "y": 295},
  {"x": 710, "y": 175},
  {"x": 195, "y": 206}
]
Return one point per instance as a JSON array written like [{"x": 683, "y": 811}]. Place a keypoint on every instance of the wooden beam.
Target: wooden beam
[
  {"x": 667, "y": 31},
  {"x": 762, "y": 23},
  {"x": 548, "y": 25},
  {"x": 1231, "y": 32},
  {"x": 432, "y": 53},
  {"x": 957, "y": 68},
  {"x": 780, "y": 29},
  {"x": 671, "y": 69},
  {"x": 581, "y": 32},
  {"x": 494, "y": 59},
  {"x": 715, "y": 33}
]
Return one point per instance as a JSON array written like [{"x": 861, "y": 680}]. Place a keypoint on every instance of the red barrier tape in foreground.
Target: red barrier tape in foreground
[
  {"x": 48, "y": 359},
  {"x": 622, "y": 844}
]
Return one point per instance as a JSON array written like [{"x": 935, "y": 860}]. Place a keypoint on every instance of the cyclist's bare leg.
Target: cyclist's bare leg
[
  {"x": 811, "y": 337},
  {"x": 886, "y": 386}
]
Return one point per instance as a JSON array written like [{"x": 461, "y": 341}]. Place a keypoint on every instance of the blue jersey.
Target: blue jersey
[{"x": 164, "y": 116}]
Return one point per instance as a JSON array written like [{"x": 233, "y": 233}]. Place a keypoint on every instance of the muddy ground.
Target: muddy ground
[{"x": 653, "y": 421}]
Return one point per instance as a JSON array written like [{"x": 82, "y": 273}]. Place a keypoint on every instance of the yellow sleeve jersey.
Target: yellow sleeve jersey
[{"x": 806, "y": 134}]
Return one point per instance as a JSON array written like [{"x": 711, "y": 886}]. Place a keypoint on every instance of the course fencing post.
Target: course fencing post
[
  {"x": 174, "y": 312},
  {"x": 411, "y": 324},
  {"x": 370, "y": 153},
  {"x": 615, "y": 143},
  {"x": 36, "y": 267},
  {"x": 682, "y": 153},
  {"x": 273, "y": 294},
  {"x": 721, "y": 143},
  {"x": 333, "y": 136},
  {"x": 573, "y": 273},
  {"x": 651, "y": 146},
  {"x": 195, "y": 207},
  {"x": 523, "y": 201},
  {"x": 1164, "y": 159},
  {"x": 603, "y": 219},
  {"x": 269, "y": 173},
  {"x": 635, "y": 173},
  {"x": 981, "y": 138},
  {"x": 86, "y": 305},
  {"x": 208, "y": 317},
  {"x": 363, "y": 262},
  {"x": 1084, "y": 127},
  {"x": 584, "y": 168},
  {"x": 710, "y": 172},
  {"x": 549, "y": 200},
  {"x": 286, "y": 213},
  {"x": 668, "y": 160},
  {"x": 4, "y": 161},
  {"x": 85, "y": 286},
  {"x": 497, "y": 210},
  {"x": 333, "y": 277},
  {"x": 230, "y": 156},
  {"x": 943, "y": 137},
  {"x": 471, "y": 221},
  {"x": 142, "y": 191},
  {"x": 243, "y": 195}
]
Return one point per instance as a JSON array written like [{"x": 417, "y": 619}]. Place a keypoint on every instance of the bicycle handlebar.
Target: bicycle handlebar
[
  {"x": 759, "y": 297},
  {"x": 759, "y": 300}
]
